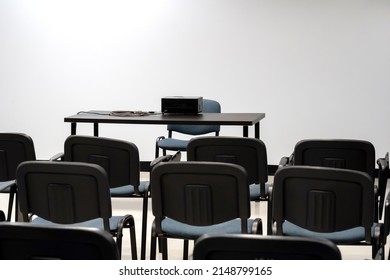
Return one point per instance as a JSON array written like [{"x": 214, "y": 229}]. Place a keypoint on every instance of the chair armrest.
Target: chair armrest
[
  {"x": 59, "y": 156},
  {"x": 383, "y": 163},
  {"x": 285, "y": 161},
  {"x": 158, "y": 139},
  {"x": 257, "y": 226},
  {"x": 166, "y": 158}
]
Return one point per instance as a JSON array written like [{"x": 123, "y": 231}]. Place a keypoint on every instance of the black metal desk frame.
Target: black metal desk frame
[{"x": 224, "y": 119}]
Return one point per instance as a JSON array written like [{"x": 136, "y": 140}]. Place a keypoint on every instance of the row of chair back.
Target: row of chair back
[
  {"x": 26, "y": 241},
  {"x": 226, "y": 157},
  {"x": 327, "y": 188}
]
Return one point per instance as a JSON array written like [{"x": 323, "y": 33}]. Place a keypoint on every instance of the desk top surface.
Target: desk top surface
[{"x": 158, "y": 118}]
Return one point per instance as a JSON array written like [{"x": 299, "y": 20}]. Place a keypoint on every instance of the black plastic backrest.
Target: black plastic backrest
[
  {"x": 14, "y": 149},
  {"x": 323, "y": 199},
  {"x": 209, "y": 106},
  {"x": 26, "y": 241},
  {"x": 251, "y": 153},
  {"x": 338, "y": 153},
  {"x": 199, "y": 193},
  {"x": 257, "y": 247},
  {"x": 119, "y": 158},
  {"x": 63, "y": 192}
]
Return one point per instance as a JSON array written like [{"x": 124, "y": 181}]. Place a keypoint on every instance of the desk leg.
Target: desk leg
[
  {"x": 73, "y": 127},
  {"x": 257, "y": 130},
  {"x": 245, "y": 131},
  {"x": 96, "y": 129}
]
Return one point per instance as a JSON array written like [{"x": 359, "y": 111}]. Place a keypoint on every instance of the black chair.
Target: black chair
[
  {"x": 175, "y": 144},
  {"x": 70, "y": 193},
  {"x": 338, "y": 153},
  {"x": 120, "y": 159},
  {"x": 14, "y": 149},
  {"x": 256, "y": 247},
  {"x": 193, "y": 198},
  {"x": 386, "y": 220},
  {"x": 251, "y": 153},
  {"x": 323, "y": 202},
  {"x": 383, "y": 177},
  {"x": 26, "y": 241}
]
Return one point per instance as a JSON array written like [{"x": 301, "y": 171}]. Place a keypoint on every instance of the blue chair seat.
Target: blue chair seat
[
  {"x": 95, "y": 223},
  {"x": 129, "y": 189},
  {"x": 176, "y": 228},
  {"x": 173, "y": 144},
  {"x": 349, "y": 236}
]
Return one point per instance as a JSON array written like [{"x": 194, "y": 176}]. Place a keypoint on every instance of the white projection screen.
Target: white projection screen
[{"x": 318, "y": 69}]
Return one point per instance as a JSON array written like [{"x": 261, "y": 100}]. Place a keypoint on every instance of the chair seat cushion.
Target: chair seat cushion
[
  {"x": 254, "y": 190},
  {"x": 349, "y": 236},
  {"x": 128, "y": 190},
  {"x": 95, "y": 223},
  {"x": 178, "y": 229},
  {"x": 173, "y": 144},
  {"x": 5, "y": 186}
]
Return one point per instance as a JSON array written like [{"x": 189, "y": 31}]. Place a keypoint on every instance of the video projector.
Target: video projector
[{"x": 182, "y": 104}]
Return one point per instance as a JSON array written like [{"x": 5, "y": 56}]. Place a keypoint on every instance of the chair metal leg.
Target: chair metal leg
[
  {"x": 185, "y": 249},
  {"x": 144, "y": 225},
  {"x": 164, "y": 248},
  {"x": 128, "y": 222},
  {"x": 12, "y": 194},
  {"x": 133, "y": 243},
  {"x": 153, "y": 241}
]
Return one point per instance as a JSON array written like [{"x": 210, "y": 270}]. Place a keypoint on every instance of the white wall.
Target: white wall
[{"x": 316, "y": 68}]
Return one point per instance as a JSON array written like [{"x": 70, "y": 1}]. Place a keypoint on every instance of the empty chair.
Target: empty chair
[
  {"x": 14, "y": 149},
  {"x": 171, "y": 143},
  {"x": 26, "y": 241},
  {"x": 70, "y": 193},
  {"x": 323, "y": 202},
  {"x": 251, "y": 153},
  {"x": 352, "y": 154},
  {"x": 120, "y": 159},
  {"x": 257, "y": 247},
  {"x": 190, "y": 199}
]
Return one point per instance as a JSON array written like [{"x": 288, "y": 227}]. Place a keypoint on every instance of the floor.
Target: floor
[{"x": 134, "y": 207}]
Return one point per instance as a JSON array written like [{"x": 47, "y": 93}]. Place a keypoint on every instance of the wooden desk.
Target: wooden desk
[{"x": 230, "y": 119}]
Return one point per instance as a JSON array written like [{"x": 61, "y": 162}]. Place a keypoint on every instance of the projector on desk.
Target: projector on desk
[{"x": 182, "y": 104}]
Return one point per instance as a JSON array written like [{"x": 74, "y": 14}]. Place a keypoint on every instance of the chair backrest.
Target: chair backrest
[
  {"x": 251, "y": 153},
  {"x": 120, "y": 159},
  {"x": 26, "y": 241},
  {"x": 323, "y": 199},
  {"x": 14, "y": 149},
  {"x": 200, "y": 193},
  {"x": 63, "y": 192},
  {"x": 209, "y": 106},
  {"x": 339, "y": 153},
  {"x": 258, "y": 247}
]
